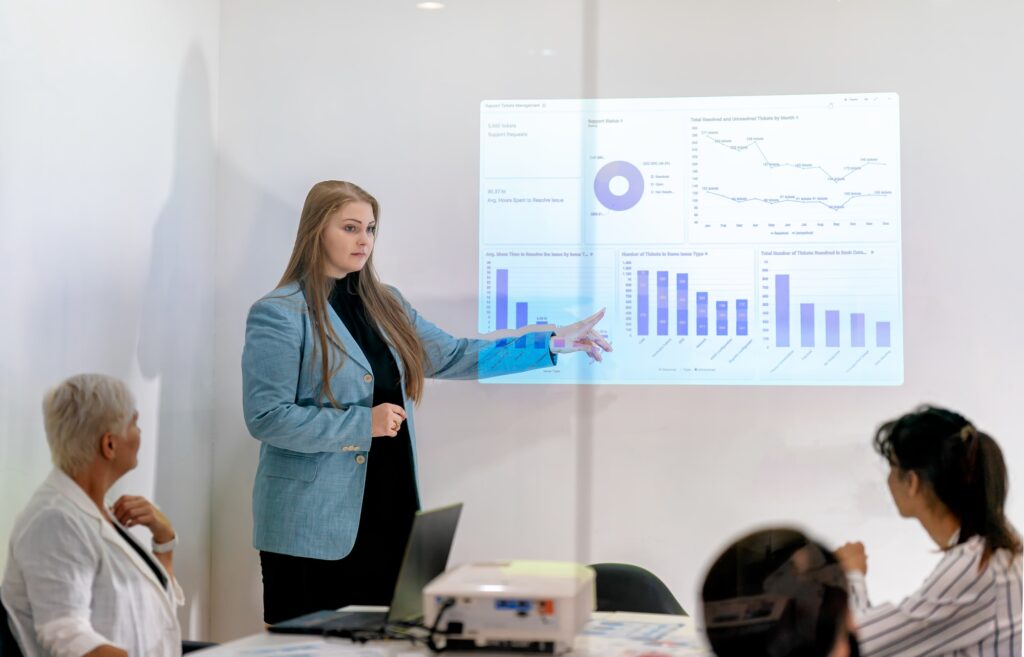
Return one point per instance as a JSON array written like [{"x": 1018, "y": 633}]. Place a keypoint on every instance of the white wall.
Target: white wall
[
  {"x": 387, "y": 96},
  {"x": 107, "y": 115}
]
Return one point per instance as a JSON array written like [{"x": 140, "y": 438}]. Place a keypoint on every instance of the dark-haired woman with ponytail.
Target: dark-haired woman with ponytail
[
  {"x": 952, "y": 479},
  {"x": 334, "y": 362}
]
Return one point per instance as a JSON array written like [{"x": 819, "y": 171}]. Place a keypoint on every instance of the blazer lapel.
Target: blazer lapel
[
  {"x": 352, "y": 350},
  {"x": 67, "y": 487},
  {"x": 111, "y": 536}
]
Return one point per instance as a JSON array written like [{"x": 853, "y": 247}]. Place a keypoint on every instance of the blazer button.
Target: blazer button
[
  {"x": 360, "y": 459},
  {"x": 367, "y": 378}
]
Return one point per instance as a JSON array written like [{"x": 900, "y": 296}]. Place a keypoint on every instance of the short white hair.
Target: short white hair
[{"x": 78, "y": 411}]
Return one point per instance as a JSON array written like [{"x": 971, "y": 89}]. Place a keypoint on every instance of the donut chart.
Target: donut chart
[{"x": 602, "y": 185}]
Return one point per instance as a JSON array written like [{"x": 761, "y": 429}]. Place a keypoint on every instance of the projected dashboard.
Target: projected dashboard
[{"x": 739, "y": 240}]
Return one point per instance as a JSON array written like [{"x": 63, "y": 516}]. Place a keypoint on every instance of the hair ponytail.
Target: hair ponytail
[
  {"x": 962, "y": 466},
  {"x": 985, "y": 490}
]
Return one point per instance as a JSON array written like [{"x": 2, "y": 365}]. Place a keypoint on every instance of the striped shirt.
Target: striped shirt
[{"x": 958, "y": 611}]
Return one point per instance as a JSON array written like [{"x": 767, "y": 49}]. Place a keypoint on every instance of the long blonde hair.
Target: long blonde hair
[{"x": 307, "y": 267}]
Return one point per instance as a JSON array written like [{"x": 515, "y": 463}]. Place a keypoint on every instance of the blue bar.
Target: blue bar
[
  {"x": 782, "y": 310},
  {"x": 741, "y": 317},
  {"x": 857, "y": 329},
  {"x": 831, "y": 328},
  {"x": 662, "y": 303},
  {"x": 641, "y": 303},
  {"x": 702, "y": 313},
  {"x": 501, "y": 301},
  {"x": 722, "y": 318},
  {"x": 807, "y": 325},
  {"x": 883, "y": 334},
  {"x": 682, "y": 290},
  {"x": 521, "y": 322}
]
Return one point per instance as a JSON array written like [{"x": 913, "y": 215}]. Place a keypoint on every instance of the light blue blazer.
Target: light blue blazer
[{"x": 308, "y": 492}]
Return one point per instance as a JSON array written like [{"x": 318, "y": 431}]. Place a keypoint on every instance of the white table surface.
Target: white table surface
[{"x": 608, "y": 635}]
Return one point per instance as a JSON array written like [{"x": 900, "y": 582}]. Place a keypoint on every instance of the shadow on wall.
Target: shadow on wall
[
  {"x": 175, "y": 342},
  {"x": 255, "y": 233}
]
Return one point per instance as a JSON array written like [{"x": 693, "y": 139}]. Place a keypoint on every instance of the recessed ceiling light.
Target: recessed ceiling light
[{"x": 430, "y": 5}]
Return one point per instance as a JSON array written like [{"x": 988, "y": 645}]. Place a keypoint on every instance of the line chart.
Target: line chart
[
  {"x": 755, "y": 143},
  {"x": 807, "y": 176}
]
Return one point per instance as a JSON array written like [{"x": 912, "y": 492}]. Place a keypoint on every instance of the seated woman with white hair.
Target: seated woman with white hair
[{"x": 77, "y": 583}]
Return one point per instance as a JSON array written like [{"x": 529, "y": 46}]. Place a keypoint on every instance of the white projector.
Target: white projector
[{"x": 538, "y": 606}]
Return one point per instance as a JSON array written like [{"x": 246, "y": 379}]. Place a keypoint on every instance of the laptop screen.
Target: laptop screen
[{"x": 426, "y": 556}]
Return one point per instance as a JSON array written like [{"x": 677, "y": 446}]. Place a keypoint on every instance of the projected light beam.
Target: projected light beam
[{"x": 733, "y": 241}]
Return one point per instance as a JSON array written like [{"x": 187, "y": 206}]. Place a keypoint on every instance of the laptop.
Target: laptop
[{"x": 426, "y": 557}]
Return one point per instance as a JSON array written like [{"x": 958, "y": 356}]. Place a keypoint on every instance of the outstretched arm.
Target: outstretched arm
[{"x": 467, "y": 358}]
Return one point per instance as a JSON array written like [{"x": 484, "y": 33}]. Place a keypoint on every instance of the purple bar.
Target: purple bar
[
  {"x": 741, "y": 317},
  {"x": 781, "y": 310},
  {"x": 641, "y": 302},
  {"x": 721, "y": 318},
  {"x": 702, "y": 313},
  {"x": 682, "y": 290},
  {"x": 882, "y": 334},
  {"x": 807, "y": 325},
  {"x": 662, "y": 303},
  {"x": 857, "y": 329},
  {"x": 831, "y": 328},
  {"x": 542, "y": 338},
  {"x": 501, "y": 301},
  {"x": 521, "y": 310}
]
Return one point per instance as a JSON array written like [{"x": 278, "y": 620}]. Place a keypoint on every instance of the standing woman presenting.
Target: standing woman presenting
[{"x": 332, "y": 359}]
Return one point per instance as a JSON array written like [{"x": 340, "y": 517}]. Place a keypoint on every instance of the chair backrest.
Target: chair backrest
[
  {"x": 8, "y": 646},
  {"x": 625, "y": 587}
]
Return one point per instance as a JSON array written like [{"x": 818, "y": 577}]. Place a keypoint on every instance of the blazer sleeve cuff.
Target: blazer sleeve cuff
[
  {"x": 177, "y": 594},
  {"x": 361, "y": 439},
  {"x": 70, "y": 636}
]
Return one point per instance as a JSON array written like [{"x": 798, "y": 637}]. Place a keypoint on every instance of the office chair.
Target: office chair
[
  {"x": 8, "y": 646},
  {"x": 192, "y": 646},
  {"x": 625, "y": 587}
]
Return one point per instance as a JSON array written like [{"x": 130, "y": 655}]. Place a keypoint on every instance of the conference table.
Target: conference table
[{"x": 608, "y": 634}]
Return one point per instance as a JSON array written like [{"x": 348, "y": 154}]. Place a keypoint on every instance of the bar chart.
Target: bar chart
[
  {"x": 707, "y": 315},
  {"x": 856, "y": 336},
  {"x": 680, "y": 296},
  {"x": 839, "y": 309},
  {"x": 524, "y": 288},
  {"x": 686, "y": 293}
]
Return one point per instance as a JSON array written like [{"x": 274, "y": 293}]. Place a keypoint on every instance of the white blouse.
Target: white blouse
[
  {"x": 73, "y": 583},
  {"x": 959, "y": 610}
]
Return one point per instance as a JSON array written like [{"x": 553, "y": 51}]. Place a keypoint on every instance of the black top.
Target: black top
[
  {"x": 390, "y": 498},
  {"x": 142, "y": 553}
]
